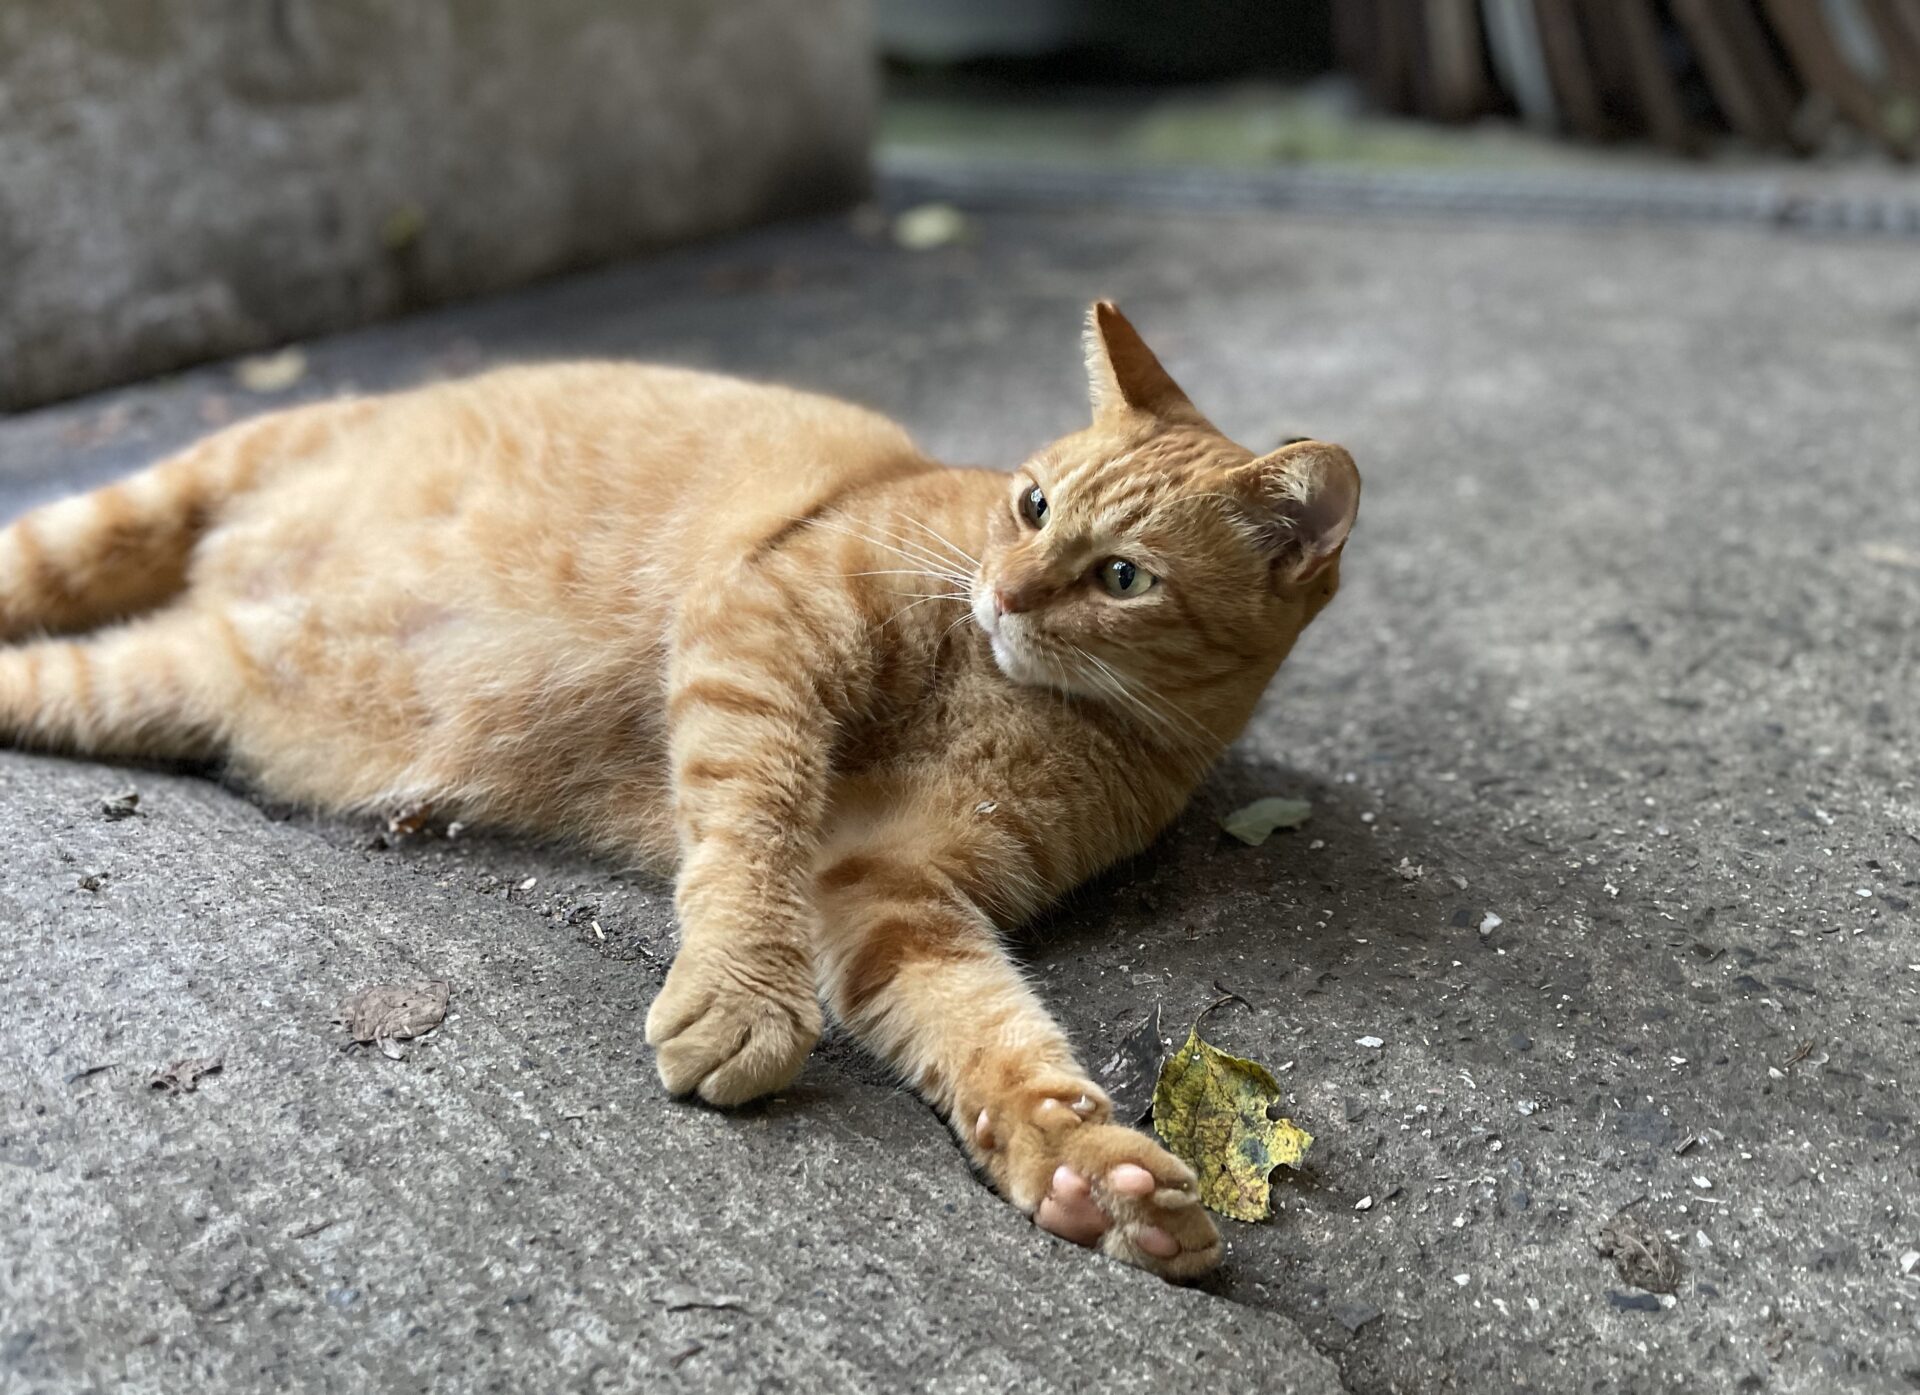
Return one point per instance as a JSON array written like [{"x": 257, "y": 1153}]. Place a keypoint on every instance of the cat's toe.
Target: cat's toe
[
  {"x": 1168, "y": 1233},
  {"x": 1069, "y": 1210},
  {"x": 727, "y": 1042},
  {"x": 1150, "y": 1201}
]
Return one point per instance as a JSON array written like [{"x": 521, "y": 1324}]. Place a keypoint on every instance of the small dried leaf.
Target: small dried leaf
[
  {"x": 183, "y": 1076},
  {"x": 1131, "y": 1068},
  {"x": 409, "y": 819},
  {"x": 123, "y": 805},
  {"x": 1253, "y": 823},
  {"x": 389, "y": 1012},
  {"x": 271, "y": 372},
  {"x": 1210, "y": 1109},
  {"x": 1641, "y": 1255}
]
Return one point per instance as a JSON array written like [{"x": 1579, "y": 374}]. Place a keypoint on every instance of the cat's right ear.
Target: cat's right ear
[
  {"x": 1123, "y": 376},
  {"x": 1307, "y": 495}
]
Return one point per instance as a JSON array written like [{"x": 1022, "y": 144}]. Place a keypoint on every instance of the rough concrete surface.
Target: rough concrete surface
[
  {"x": 1625, "y": 657},
  {"x": 181, "y": 179}
]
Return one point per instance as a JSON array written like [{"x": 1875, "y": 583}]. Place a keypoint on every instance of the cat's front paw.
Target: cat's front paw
[
  {"x": 1054, "y": 1154},
  {"x": 728, "y": 1030}
]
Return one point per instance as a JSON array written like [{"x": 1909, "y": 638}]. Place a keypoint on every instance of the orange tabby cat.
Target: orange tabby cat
[{"x": 872, "y": 708}]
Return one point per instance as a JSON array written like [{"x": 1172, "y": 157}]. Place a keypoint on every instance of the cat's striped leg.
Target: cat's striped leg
[
  {"x": 157, "y": 687},
  {"x": 918, "y": 972},
  {"x": 750, "y": 742},
  {"x": 124, "y": 548}
]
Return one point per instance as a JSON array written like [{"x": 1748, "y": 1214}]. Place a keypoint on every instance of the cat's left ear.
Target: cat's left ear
[
  {"x": 1123, "y": 376},
  {"x": 1308, "y": 494}
]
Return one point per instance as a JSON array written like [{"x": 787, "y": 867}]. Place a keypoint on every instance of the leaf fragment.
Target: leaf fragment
[
  {"x": 271, "y": 372},
  {"x": 1253, "y": 823},
  {"x": 391, "y": 1012},
  {"x": 183, "y": 1075},
  {"x": 1211, "y": 1110}
]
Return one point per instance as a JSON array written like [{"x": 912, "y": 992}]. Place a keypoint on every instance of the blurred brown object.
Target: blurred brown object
[{"x": 1781, "y": 74}]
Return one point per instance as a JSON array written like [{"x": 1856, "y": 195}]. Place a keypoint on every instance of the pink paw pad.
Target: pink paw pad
[{"x": 1070, "y": 1211}]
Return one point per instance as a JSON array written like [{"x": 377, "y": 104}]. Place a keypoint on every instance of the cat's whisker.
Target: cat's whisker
[
  {"x": 924, "y": 563},
  {"x": 924, "y": 600},
  {"x": 1188, "y": 734},
  {"x": 949, "y": 543}
]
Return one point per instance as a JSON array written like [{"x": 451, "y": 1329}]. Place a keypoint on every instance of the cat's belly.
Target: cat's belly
[{"x": 417, "y": 684}]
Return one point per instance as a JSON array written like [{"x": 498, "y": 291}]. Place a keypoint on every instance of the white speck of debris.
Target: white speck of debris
[
  {"x": 1660, "y": 830},
  {"x": 1611, "y": 889},
  {"x": 929, "y": 225},
  {"x": 1365, "y": 1203},
  {"x": 1527, "y": 1106},
  {"x": 1823, "y": 816},
  {"x": 1533, "y": 1304},
  {"x": 986, "y": 806},
  {"x": 1667, "y": 1300},
  {"x": 455, "y": 829},
  {"x": 1700, "y": 1239},
  {"x": 1409, "y": 871},
  {"x": 1463, "y": 1279},
  {"x": 1367, "y": 817},
  {"x": 1371, "y": 1043},
  {"x": 1490, "y": 923},
  {"x": 1775, "y": 1073},
  {"x": 529, "y": 884},
  {"x": 1495, "y": 1146},
  {"x": 1316, "y": 845},
  {"x": 1702, "y": 1183},
  {"x": 1459, "y": 882},
  {"x": 1863, "y": 891},
  {"x": 1910, "y": 1261},
  {"x": 271, "y": 372}
]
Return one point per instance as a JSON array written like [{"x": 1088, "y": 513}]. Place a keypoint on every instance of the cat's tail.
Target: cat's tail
[{"x": 125, "y": 549}]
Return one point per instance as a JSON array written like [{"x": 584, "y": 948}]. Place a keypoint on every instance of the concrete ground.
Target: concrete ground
[{"x": 1626, "y": 658}]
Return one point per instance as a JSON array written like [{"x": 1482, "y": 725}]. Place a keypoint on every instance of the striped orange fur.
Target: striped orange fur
[{"x": 871, "y": 710}]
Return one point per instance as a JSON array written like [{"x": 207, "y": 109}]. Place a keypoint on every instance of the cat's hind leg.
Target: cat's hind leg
[
  {"x": 124, "y": 549},
  {"x": 159, "y": 687}
]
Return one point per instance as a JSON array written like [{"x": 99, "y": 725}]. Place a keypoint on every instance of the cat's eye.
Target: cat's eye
[
  {"x": 1125, "y": 580},
  {"x": 1033, "y": 507}
]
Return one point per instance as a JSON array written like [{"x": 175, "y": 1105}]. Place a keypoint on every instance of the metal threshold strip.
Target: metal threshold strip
[{"x": 1593, "y": 197}]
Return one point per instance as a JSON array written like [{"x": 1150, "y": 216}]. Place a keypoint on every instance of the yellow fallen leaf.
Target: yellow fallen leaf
[{"x": 1210, "y": 1109}]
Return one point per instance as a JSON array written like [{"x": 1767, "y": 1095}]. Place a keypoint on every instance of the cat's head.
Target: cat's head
[{"x": 1148, "y": 562}]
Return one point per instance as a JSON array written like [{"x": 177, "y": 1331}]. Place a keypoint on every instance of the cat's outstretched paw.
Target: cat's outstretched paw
[
  {"x": 1096, "y": 1183},
  {"x": 725, "y": 1036}
]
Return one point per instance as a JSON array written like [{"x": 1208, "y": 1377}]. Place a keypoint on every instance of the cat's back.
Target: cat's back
[{"x": 565, "y": 455}]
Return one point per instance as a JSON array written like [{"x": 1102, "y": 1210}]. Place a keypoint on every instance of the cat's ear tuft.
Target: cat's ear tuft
[
  {"x": 1308, "y": 493},
  {"x": 1123, "y": 376}
]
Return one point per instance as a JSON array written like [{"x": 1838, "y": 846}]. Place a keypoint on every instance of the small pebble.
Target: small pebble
[
  {"x": 1910, "y": 1261},
  {"x": 529, "y": 884},
  {"x": 1365, "y": 1203},
  {"x": 1490, "y": 923},
  {"x": 1371, "y": 1043},
  {"x": 1527, "y": 1106},
  {"x": 1463, "y": 1279},
  {"x": 1702, "y": 1183}
]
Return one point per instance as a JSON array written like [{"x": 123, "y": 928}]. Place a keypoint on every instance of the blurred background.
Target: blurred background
[{"x": 181, "y": 181}]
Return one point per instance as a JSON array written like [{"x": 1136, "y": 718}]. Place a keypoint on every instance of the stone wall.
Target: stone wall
[{"x": 183, "y": 179}]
